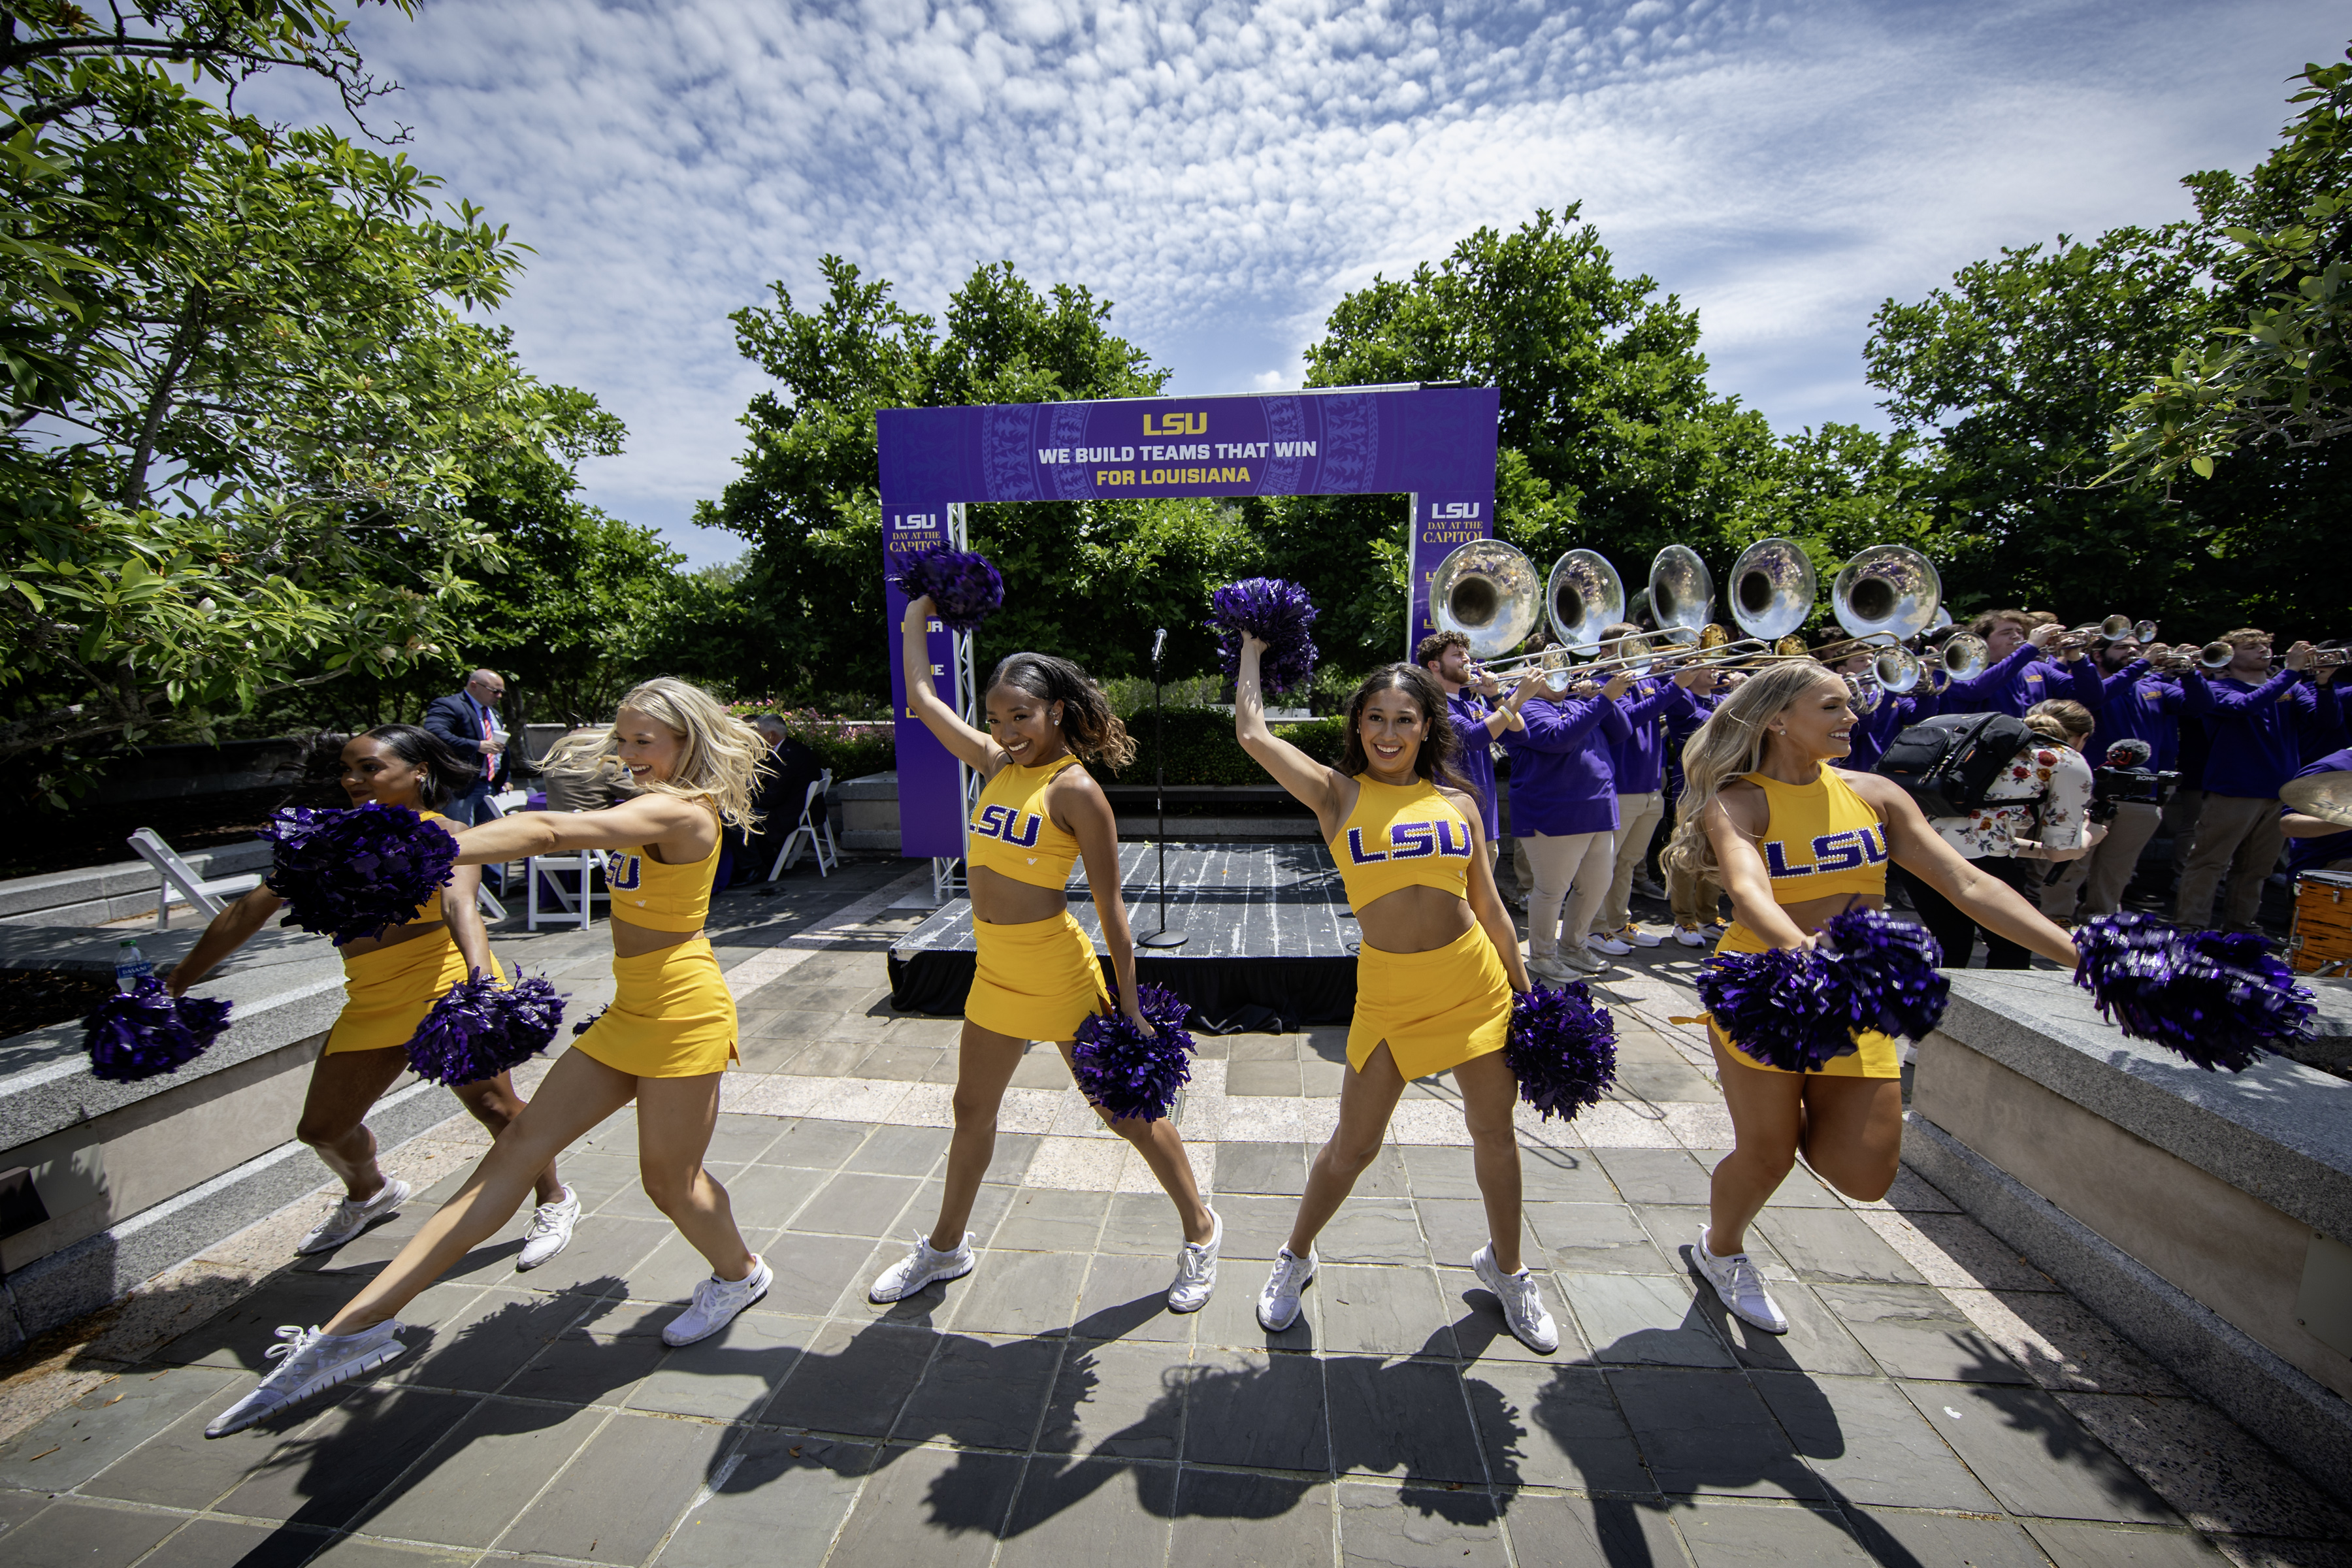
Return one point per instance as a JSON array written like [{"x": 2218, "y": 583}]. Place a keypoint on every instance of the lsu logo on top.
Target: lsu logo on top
[
  {"x": 1847, "y": 851},
  {"x": 1412, "y": 841},
  {"x": 1195, "y": 424},
  {"x": 622, "y": 872},
  {"x": 1007, "y": 826}
]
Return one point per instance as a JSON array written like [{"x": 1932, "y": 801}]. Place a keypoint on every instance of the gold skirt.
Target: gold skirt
[
  {"x": 1877, "y": 1055},
  {"x": 672, "y": 1015},
  {"x": 387, "y": 993},
  {"x": 1037, "y": 981},
  {"x": 1437, "y": 1009}
]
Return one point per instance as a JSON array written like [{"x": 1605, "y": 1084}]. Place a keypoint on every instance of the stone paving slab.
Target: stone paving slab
[{"x": 1937, "y": 1400}]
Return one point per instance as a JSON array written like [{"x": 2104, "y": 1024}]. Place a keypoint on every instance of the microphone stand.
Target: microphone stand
[{"x": 1164, "y": 937}]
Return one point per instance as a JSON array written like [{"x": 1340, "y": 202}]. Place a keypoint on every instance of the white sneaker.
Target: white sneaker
[
  {"x": 351, "y": 1217},
  {"x": 1690, "y": 936},
  {"x": 1277, "y": 1304},
  {"x": 716, "y": 1302},
  {"x": 919, "y": 1267},
  {"x": 549, "y": 1232},
  {"x": 1196, "y": 1270},
  {"x": 313, "y": 1362},
  {"x": 1550, "y": 968},
  {"x": 1605, "y": 942},
  {"x": 1738, "y": 1286},
  {"x": 1634, "y": 933},
  {"x": 1523, "y": 1304},
  {"x": 1584, "y": 963}
]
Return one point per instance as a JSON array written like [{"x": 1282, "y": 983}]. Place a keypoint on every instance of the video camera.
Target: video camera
[{"x": 2126, "y": 780}]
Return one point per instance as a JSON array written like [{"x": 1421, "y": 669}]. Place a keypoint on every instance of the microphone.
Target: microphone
[{"x": 1159, "y": 641}]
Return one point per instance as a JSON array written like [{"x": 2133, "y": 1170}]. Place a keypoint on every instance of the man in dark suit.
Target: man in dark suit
[
  {"x": 781, "y": 794},
  {"x": 469, "y": 722}
]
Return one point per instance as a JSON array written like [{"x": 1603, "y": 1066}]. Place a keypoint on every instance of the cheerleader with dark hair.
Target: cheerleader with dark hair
[
  {"x": 1038, "y": 978},
  {"x": 1435, "y": 977},
  {"x": 390, "y": 982}
]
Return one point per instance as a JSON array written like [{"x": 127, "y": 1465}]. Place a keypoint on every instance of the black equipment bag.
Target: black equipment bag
[{"x": 1946, "y": 763}]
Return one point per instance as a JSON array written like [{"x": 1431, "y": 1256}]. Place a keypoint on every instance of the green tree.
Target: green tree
[
  {"x": 2275, "y": 368},
  {"x": 1086, "y": 579},
  {"x": 244, "y": 409}
]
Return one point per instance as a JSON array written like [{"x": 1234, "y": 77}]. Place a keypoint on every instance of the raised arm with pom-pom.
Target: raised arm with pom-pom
[
  {"x": 962, "y": 585},
  {"x": 1277, "y": 613}
]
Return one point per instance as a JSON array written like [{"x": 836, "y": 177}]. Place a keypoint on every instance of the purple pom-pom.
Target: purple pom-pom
[
  {"x": 1132, "y": 1078},
  {"x": 356, "y": 873},
  {"x": 1783, "y": 1006},
  {"x": 1277, "y": 613},
  {"x": 1561, "y": 1048},
  {"x": 963, "y": 586},
  {"x": 140, "y": 1033},
  {"x": 2218, "y": 999},
  {"x": 481, "y": 1028},
  {"x": 587, "y": 1024},
  {"x": 1887, "y": 968}
]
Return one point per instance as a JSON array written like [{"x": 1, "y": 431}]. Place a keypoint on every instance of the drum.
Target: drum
[{"x": 2321, "y": 937}]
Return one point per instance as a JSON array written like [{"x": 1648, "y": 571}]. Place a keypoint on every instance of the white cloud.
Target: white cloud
[{"x": 1224, "y": 171}]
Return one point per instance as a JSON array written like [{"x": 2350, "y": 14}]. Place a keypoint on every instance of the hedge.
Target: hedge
[{"x": 1202, "y": 750}]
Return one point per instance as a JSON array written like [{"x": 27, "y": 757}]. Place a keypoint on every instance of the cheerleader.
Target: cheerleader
[
  {"x": 1434, "y": 977},
  {"x": 390, "y": 982},
  {"x": 1038, "y": 978},
  {"x": 664, "y": 1043},
  {"x": 1795, "y": 841}
]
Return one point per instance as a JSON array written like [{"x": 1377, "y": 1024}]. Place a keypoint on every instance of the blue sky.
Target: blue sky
[{"x": 1225, "y": 171}]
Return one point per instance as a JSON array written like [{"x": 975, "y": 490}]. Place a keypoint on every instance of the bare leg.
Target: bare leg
[
  {"x": 1768, "y": 1122},
  {"x": 1162, "y": 1148},
  {"x": 1854, "y": 1134},
  {"x": 578, "y": 1093},
  {"x": 675, "y": 1118},
  {"x": 342, "y": 1087},
  {"x": 1368, "y": 1097},
  {"x": 494, "y": 1103},
  {"x": 984, "y": 1065},
  {"x": 1488, "y": 1093}
]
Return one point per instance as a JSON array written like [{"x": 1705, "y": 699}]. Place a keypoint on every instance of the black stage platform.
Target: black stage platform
[{"x": 1271, "y": 939}]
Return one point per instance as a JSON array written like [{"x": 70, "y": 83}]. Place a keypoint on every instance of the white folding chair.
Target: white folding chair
[
  {"x": 180, "y": 880},
  {"x": 499, "y": 804},
  {"x": 546, "y": 869},
  {"x": 814, "y": 823}
]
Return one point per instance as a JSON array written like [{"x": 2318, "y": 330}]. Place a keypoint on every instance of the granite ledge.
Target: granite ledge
[{"x": 2279, "y": 1130}]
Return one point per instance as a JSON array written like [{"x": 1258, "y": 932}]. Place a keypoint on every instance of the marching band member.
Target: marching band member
[
  {"x": 2142, "y": 714},
  {"x": 1038, "y": 978},
  {"x": 664, "y": 1043},
  {"x": 2020, "y": 676},
  {"x": 1446, "y": 656},
  {"x": 1637, "y": 770},
  {"x": 1798, "y": 841},
  {"x": 2255, "y": 717},
  {"x": 1564, "y": 810},
  {"x": 1435, "y": 975},
  {"x": 390, "y": 982}
]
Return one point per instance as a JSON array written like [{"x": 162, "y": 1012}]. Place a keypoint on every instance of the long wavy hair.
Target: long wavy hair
[
  {"x": 719, "y": 760},
  {"x": 1728, "y": 745},
  {"x": 1432, "y": 762},
  {"x": 1091, "y": 730}
]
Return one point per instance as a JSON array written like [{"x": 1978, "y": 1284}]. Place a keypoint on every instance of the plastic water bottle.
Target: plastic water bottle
[{"x": 130, "y": 966}]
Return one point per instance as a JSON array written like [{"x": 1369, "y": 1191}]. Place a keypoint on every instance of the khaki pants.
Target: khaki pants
[
  {"x": 2180, "y": 822},
  {"x": 1638, "y": 817},
  {"x": 1571, "y": 869},
  {"x": 2094, "y": 884},
  {"x": 2238, "y": 836},
  {"x": 1697, "y": 900}
]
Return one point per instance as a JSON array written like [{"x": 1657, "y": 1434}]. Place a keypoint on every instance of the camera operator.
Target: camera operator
[
  {"x": 2139, "y": 730},
  {"x": 2255, "y": 718},
  {"x": 2036, "y": 811}
]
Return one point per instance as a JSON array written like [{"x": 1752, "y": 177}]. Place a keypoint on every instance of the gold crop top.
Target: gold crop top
[
  {"x": 430, "y": 912},
  {"x": 662, "y": 896},
  {"x": 1012, "y": 834},
  {"x": 1401, "y": 835},
  {"x": 1821, "y": 839}
]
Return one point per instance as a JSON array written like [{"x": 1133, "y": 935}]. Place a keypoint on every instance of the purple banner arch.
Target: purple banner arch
[{"x": 1434, "y": 444}]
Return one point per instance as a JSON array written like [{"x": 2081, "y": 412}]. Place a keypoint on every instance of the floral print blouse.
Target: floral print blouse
[{"x": 2044, "y": 797}]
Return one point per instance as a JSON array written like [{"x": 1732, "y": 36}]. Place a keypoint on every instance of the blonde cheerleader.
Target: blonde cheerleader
[
  {"x": 1037, "y": 977},
  {"x": 390, "y": 982},
  {"x": 664, "y": 1043},
  {"x": 1435, "y": 977}
]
